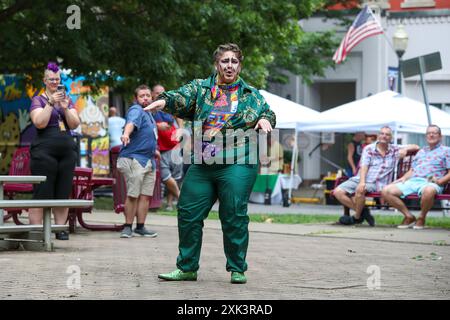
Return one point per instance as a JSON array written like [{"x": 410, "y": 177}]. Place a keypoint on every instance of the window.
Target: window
[{"x": 418, "y": 3}]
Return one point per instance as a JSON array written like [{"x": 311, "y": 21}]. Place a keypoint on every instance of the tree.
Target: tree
[{"x": 166, "y": 41}]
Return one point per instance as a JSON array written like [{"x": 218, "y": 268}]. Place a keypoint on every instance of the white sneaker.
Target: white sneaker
[{"x": 407, "y": 223}]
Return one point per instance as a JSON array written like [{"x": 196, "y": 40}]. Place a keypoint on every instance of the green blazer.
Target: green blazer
[{"x": 193, "y": 102}]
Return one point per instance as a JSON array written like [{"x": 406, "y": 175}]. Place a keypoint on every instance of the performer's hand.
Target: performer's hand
[
  {"x": 155, "y": 106},
  {"x": 264, "y": 125}
]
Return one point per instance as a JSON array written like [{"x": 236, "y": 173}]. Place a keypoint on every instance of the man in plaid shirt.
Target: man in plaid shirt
[{"x": 376, "y": 171}]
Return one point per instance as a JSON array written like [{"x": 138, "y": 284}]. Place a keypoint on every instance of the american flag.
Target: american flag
[{"x": 364, "y": 26}]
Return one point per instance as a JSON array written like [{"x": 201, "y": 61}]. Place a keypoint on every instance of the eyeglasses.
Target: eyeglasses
[
  {"x": 53, "y": 79},
  {"x": 432, "y": 133}
]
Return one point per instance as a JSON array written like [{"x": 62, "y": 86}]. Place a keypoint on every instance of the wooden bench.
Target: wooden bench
[
  {"x": 403, "y": 166},
  {"x": 46, "y": 228}
]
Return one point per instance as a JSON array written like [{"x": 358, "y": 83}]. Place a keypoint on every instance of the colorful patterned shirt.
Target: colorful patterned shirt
[
  {"x": 198, "y": 102},
  {"x": 431, "y": 162},
  {"x": 381, "y": 168}
]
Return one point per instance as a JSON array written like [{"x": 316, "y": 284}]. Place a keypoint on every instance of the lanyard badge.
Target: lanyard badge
[{"x": 62, "y": 126}]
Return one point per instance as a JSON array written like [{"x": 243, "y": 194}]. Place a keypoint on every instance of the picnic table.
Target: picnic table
[
  {"x": 46, "y": 205},
  {"x": 83, "y": 186}
]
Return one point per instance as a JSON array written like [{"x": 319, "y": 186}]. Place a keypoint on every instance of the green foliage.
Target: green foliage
[{"x": 163, "y": 41}]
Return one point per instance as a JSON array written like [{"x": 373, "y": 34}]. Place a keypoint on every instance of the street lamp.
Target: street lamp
[{"x": 400, "y": 40}]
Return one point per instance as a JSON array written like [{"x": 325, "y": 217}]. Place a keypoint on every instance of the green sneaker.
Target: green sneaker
[
  {"x": 179, "y": 275},
  {"x": 238, "y": 277}
]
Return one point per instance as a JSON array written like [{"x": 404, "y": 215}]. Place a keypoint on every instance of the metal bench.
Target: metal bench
[
  {"x": 5, "y": 187},
  {"x": 46, "y": 227}
]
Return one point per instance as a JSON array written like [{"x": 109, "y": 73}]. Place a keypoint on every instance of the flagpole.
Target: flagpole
[{"x": 384, "y": 33}]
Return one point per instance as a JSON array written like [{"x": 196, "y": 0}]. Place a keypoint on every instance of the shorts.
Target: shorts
[
  {"x": 171, "y": 164},
  {"x": 416, "y": 185},
  {"x": 139, "y": 180},
  {"x": 351, "y": 184}
]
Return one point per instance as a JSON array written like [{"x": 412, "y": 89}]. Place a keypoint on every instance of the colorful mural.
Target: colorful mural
[
  {"x": 16, "y": 129},
  {"x": 93, "y": 131}
]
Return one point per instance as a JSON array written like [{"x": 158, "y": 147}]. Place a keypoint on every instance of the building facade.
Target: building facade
[{"x": 372, "y": 67}]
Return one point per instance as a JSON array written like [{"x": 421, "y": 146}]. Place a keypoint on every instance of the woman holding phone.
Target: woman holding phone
[{"x": 53, "y": 150}]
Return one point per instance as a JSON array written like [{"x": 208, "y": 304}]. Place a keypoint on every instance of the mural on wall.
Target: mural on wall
[
  {"x": 16, "y": 129},
  {"x": 15, "y": 124},
  {"x": 93, "y": 131}
]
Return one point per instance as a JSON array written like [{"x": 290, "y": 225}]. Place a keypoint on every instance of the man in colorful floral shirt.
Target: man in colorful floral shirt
[
  {"x": 218, "y": 107},
  {"x": 427, "y": 177}
]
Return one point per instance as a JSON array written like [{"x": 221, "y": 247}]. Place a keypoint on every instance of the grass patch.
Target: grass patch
[
  {"x": 103, "y": 203},
  {"x": 316, "y": 218},
  {"x": 106, "y": 203}
]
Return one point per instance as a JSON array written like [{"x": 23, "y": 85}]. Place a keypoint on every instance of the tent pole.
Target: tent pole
[
  {"x": 293, "y": 161},
  {"x": 395, "y": 143}
]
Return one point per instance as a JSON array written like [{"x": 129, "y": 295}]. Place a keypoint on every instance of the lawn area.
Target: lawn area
[
  {"x": 305, "y": 218},
  {"x": 104, "y": 203}
]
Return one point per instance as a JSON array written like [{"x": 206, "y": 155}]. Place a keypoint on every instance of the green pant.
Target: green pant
[{"x": 202, "y": 186}]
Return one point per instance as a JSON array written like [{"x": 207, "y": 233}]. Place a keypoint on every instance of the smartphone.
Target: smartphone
[{"x": 62, "y": 88}]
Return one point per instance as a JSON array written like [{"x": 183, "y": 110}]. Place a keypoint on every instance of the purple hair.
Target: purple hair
[{"x": 53, "y": 67}]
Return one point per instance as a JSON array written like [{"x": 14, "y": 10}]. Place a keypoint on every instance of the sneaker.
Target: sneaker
[
  {"x": 126, "y": 232},
  {"x": 407, "y": 223},
  {"x": 178, "y": 275},
  {"x": 420, "y": 224},
  {"x": 145, "y": 232},
  {"x": 63, "y": 235},
  {"x": 365, "y": 214},
  {"x": 238, "y": 277},
  {"x": 347, "y": 220},
  {"x": 169, "y": 208}
]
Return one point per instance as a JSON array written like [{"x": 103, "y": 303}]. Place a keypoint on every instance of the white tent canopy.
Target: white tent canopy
[
  {"x": 288, "y": 113},
  {"x": 402, "y": 114}
]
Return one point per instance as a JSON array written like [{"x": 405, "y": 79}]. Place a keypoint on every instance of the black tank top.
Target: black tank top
[{"x": 358, "y": 152}]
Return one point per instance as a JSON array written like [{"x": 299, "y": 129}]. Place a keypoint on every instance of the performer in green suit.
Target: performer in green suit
[{"x": 222, "y": 168}]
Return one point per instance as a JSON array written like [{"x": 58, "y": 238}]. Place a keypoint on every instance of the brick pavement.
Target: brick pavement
[{"x": 285, "y": 262}]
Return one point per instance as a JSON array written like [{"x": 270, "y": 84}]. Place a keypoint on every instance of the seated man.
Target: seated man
[
  {"x": 377, "y": 166},
  {"x": 428, "y": 175}
]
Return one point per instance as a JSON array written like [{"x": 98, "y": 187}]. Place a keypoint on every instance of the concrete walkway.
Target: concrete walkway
[{"x": 320, "y": 261}]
